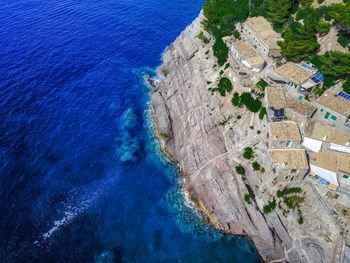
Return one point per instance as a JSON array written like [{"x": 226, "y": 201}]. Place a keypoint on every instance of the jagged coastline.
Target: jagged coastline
[{"x": 187, "y": 121}]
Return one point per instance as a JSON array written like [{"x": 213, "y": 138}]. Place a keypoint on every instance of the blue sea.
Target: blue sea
[{"x": 82, "y": 178}]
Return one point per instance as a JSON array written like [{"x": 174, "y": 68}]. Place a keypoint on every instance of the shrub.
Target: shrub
[
  {"x": 248, "y": 198},
  {"x": 224, "y": 86},
  {"x": 202, "y": 37},
  {"x": 291, "y": 190},
  {"x": 293, "y": 201},
  {"x": 236, "y": 34},
  {"x": 300, "y": 217},
  {"x": 262, "y": 113},
  {"x": 262, "y": 84},
  {"x": 271, "y": 205},
  {"x": 248, "y": 153},
  {"x": 236, "y": 100},
  {"x": 256, "y": 166},
  {"x": 240, "y": 170}
]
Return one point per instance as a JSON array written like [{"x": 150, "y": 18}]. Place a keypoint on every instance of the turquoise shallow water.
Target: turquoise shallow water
[{"x": 81, "y": 175}]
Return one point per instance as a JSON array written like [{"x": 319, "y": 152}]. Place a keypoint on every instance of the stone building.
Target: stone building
[
  {"x": 333, "y": 110},
  {"x": 333, "y": 167},
  {"x": 259, "y": 32},
  {"x": 245, "y": 55},
  {"x": 329, "y": 137},
  {"x": 289, "y": 164},
  {"x": 285, "y": 134},
  {"x": 275, "y": 103},
  {"x": 300, "y": 76}
]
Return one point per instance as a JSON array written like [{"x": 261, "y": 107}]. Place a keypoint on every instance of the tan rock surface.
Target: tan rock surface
[{"x": 188, "y": 117}]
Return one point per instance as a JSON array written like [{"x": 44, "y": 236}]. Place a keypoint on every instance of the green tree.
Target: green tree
[
  {"x": 220, "y": 51},
  {"x": 250, "y": 103},
  {"x": 299, "y": 42},
  {"x": 240, "y": 170},
  {"x": 277, "y": 11},
  {"x": 323, "y": 27},
  {"x": 333, "y": 64},
  {"x": 256, "y": 166},
  {"x": 248, "y": 153},
  {"x": 236, "y": 100}
]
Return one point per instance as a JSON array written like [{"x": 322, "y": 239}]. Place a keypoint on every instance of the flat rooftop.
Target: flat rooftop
[
  {"x": 275, "y": 98},
  {"x": 294, "y": 72},
  {"x": 248, "y": 52},
  {"x": 289, "y": 158},
  {"x": 301, "y": 107},
  {"x": 263, "y": 30},
  {"x": 335, "y": 103},
  {"x": 332, "y": 161},
  {"x": 326, "y": 133},
  {"x": 284, "y": 131}
]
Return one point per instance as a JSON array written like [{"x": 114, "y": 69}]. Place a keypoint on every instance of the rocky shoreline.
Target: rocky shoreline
[{"x": 187, "y": 118}]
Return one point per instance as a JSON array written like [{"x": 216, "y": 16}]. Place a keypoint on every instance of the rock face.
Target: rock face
[{"x": 187, "y": 117}]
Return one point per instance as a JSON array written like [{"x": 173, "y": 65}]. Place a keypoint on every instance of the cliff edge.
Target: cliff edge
[{"x": 188, "y": 119}]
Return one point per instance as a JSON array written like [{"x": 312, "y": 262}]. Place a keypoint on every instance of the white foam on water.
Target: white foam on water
[{"x": 81, "y": 199}]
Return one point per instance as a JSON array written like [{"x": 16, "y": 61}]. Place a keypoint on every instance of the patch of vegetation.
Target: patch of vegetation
[
  {"x": 236, "y": 34},
  {"x": 300, "y": 42},
  {"x": 222, "y": 15},
  {"x": 224, "y": 86},
  {"x": 300, "y": 217},
  {"x": 202, "y": 37},
  {"x": 293, "y": 201},
  {"x": 277, "y": 11},
  {"x": 208, "y": 82},
  {"x": 286, "y": 191},
  {"x": 343, "y": 39},
  {"x": 346, "y": 85},
  {"x": 240, "y": 169},
  {"x": 333, "y": 64},
  {"x": 262, "y": 113},
  {"x": 249, "y": 102},
  {"x": 248, "y": 153},
  {"x": 323, "y": 27},
  {"x": 226, "y": 120},
  {"x": 262, "y": 84},
  {"x": 271, "y": 205},
  {"x": 220, "y": 51},
  {"x": 236, "y": 100},
  {"x": 227, "y": 65},
  {"x": 340, "y": 13},
  {"x": 248, "y": 198},
  {"x": 256, "y": 166}
]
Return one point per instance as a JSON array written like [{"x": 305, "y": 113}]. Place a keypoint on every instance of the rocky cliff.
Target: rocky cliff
[{"x": 188, "y": 120}]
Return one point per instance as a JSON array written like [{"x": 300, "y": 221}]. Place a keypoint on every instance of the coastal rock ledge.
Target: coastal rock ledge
[{"x": 187, "y": 118}]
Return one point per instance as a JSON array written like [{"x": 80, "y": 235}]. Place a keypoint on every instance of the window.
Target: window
[{"x": 293, "y": 171}]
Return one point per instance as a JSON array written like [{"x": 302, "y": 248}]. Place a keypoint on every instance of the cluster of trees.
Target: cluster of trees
[
  {"x": 224, "y": 86},
  {"x": 220, "y": 19},
  {"x": 246, "y": 99},
  {"x": 334, "y": 64},
  {"x": 221, "y": 15}
]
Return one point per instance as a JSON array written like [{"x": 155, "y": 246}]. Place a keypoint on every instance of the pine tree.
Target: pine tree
[{"x": 277, "y": 11}]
